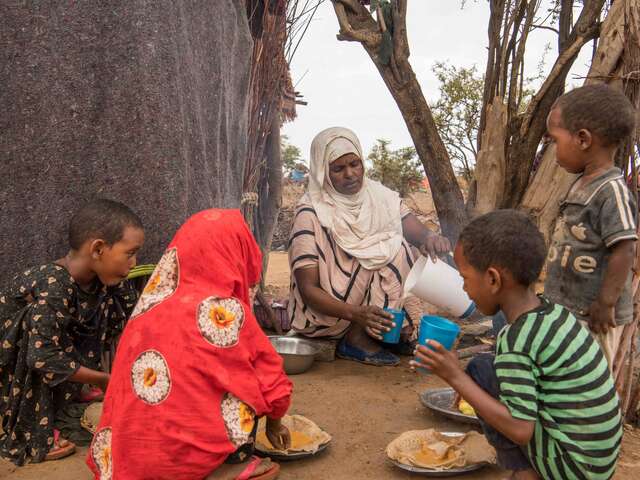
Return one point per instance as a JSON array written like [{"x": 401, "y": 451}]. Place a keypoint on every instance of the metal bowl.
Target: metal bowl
[
  {"x": 440, "y": 400},
  {"x": 298, "y": 353}
]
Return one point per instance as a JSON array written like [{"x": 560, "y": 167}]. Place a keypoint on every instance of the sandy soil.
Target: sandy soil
[{"x": 362, "y": 407}]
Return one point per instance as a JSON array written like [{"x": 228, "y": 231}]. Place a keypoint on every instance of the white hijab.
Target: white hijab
[{"x": 366, "y": 225}]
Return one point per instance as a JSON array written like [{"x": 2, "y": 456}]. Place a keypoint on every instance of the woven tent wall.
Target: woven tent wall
[
  {"x": 141, "y": 102},
  {"x": 262, "y": 182}
]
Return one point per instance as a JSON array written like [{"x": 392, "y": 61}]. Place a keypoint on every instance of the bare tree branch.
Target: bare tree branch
[
  {"x": 380, "y": 17},
  {"x": 370, "y": 38},
  {"x": 400, "y": 55},
  {"x": 354, "y": 5},
  {"x": 511, "y": 30},
  {"x": 400, "y": 40},
  {"x": 518, "y": 59},
  {"x": 556, "y": 75},
  {"x": 545, "y": 27},
  {"x": 565, "y": 23},
  {"x": 493, "y": 64}
]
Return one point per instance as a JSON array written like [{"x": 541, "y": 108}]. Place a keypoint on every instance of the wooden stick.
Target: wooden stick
[
  {"x": 381, "y": 22},
  {"x": 626, "y": 400},
  {"x": 625, "y": 344}
]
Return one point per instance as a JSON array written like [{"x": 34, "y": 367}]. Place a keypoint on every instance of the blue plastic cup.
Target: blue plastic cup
[
  {"x": 439, "y": 329},
  {"x": 393, "y": 335}
]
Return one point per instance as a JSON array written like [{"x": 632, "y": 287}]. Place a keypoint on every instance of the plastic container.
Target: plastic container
[
  {"x": 439, "y": 329},
  {"x": 440, "y": 285},
  {"x": 393, "y": 335}
]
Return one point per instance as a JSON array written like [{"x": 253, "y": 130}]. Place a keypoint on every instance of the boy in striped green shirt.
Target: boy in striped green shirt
[{"x": 547, "y": 401}]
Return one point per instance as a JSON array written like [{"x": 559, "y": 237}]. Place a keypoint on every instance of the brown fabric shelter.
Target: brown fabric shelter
[{"x": 141, "y": 102}]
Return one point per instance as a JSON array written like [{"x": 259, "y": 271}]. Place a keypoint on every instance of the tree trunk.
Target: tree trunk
[
  {"x": 490, "y": 167},
  {"x": 551, "y": 183},
  {"x": 269, "y": 192},
  {"x": 524, "y": 129},
  {"x": 447, "y": 195},
  {"x": 547, "y": 189},
  {"x": 356, "y": 24}
]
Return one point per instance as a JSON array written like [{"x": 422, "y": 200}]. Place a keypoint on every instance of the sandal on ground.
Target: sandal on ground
[
  {"x": 270, "y": 474},
  {"x": 61, "y": 448},
  {"x": 381, "y": 358}
]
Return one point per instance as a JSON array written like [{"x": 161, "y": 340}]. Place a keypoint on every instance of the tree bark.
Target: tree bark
[
  {"x": 551, "y": 183},
  {"x": 547, "y": 189},
  {"x": 490, "y": 167},
  {"x": 447, "y": 195},
  {"x": 524, "y": 130},
  {"x": 269, "y": 192},
  {"x": 356, "y": 24},
  {"x": 528, "y": 129}
]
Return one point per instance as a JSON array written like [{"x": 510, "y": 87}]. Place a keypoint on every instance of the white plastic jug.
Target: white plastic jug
[{"x": 440, "y": 285}]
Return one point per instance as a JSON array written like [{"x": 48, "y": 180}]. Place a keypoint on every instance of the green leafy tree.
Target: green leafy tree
[
  {"x": 291, "y": 155},
  {"x": 399, "y": 170},
  {"x": 457, "y": 114}
]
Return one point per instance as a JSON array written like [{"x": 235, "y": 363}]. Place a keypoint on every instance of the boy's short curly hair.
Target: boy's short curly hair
[
  {"x": 103, "y": 219},
  {"x": 506, "y": 239},
  {"x": 601, "y": 109}
]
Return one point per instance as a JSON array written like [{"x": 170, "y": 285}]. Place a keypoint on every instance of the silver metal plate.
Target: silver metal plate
[
  {"x": 438, "y": 472},
  {"x": 286, "y": 457},
  {"x": 440, "y": 400},
  {"x": 428, "y": 472}
]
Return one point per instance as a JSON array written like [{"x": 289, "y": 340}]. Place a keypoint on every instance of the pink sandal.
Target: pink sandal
[
  {"x": 270, "y": 474},
  {"x": 57, "y": 452}
]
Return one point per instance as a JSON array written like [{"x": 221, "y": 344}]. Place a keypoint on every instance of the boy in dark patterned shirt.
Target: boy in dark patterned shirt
[
  {"x": 547, "y": 401},
  {"x": 55, "y": 321},
  {"x": 592, "y": 251}
]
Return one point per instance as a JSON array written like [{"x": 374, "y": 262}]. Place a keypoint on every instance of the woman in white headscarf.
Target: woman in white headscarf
[{"x": 350, "y": 252}]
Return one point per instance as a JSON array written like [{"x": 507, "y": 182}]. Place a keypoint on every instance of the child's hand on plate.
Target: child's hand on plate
[
  {"x": 278, "y": 434},
  {"x": 440, "y": 361}
]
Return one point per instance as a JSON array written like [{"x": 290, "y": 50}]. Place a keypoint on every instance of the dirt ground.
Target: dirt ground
[{"x": 362, "y": 407}]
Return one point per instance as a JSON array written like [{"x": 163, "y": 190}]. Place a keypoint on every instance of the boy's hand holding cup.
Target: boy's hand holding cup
[
  {"x": 436, "y": 339},
  {"x": 439, "y": 360}
]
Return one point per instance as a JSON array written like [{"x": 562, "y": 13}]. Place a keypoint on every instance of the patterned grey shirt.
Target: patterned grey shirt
[{"x": 593, "y": 218}]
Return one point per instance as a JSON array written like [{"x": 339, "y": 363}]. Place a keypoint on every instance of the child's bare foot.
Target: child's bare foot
[
  {"x": 61, "y": 448},
  {"x": 232, "y": 472}
]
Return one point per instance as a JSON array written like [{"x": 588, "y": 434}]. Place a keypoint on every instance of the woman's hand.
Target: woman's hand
[
  {"x": 375, "y": 320},
  {"x": 435, "y": 246},
  {"x": 440, "y": 361},
  {"x": 278, "y": 434}
]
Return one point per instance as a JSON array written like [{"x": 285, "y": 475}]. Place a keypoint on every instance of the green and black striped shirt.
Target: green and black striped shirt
[{"x": 551, "y": 371}]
